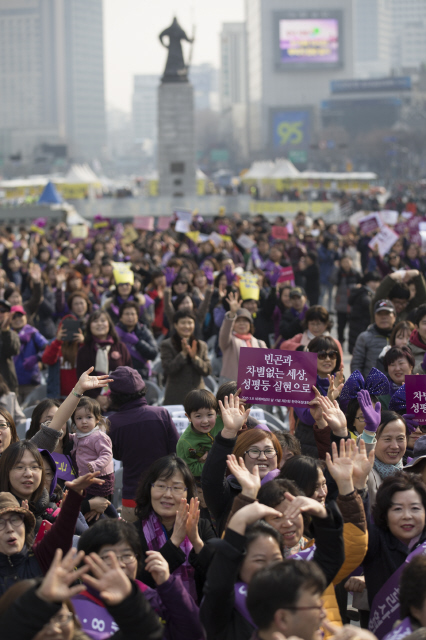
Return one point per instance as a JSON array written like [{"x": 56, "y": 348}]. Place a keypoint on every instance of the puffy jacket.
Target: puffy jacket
[
  {"x": 141, "y": 345},
  {"x": 359, "y": 299},
  {"x": 367, "y": 349},
  {"x": 32, "y": 347}
]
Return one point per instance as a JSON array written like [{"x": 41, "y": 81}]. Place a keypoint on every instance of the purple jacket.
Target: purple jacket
[{"x": 140, "y": 434}]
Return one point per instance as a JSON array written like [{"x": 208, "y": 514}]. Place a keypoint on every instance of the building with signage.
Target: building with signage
[
  {"x": 51, "y": 77},
  {"x": 295, "y": 49}
]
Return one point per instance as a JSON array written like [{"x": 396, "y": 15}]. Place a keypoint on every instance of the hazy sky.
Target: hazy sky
[{"x": 131, "y": 37}]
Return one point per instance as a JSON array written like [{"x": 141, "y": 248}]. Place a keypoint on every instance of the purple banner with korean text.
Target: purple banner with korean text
[
  {"x": 63, "y": 466},
  {"x": 415, "y": 392},
  {"x": 95, "y": 620},
  {"x": 272, "y": 376}
]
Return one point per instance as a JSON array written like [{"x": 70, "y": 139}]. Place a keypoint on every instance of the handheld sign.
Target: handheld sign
[
  {"x": 415, "y": 393},
  {"x": 273, "y": 376}
]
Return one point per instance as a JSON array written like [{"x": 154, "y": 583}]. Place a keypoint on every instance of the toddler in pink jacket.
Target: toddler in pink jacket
[{"x": 92, "y": 447}]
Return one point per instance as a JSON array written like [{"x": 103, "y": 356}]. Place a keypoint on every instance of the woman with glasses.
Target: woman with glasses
[
  {"x": 169, "y": 598},
  {"x": 169, "y": 522},
  {"x": 259, "y": 449},
  {"x": 18, "y": 558},
  {"x": 329, "y": 363}
]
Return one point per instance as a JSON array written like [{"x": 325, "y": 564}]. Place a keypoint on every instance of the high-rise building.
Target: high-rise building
[
  {"x": 144, "y": 108},
  {"x": 389, "y": 36},
  {"x": 233, "y": 87},
  {"x": 52, "y": 76},
  {"x": 203, "y": 78}
]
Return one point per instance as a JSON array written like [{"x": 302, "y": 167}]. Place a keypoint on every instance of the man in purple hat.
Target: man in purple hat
[{"x": 140, "y": 434}]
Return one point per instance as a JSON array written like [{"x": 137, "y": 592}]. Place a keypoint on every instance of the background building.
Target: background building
[
  {"x": 144, "y": 108},
  {"x": 51, "y": 77}
]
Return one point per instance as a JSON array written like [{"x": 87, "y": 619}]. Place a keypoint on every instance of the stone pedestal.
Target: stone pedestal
[{"x": 176, "y": 140}]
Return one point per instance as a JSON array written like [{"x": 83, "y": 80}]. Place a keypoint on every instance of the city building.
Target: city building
[
  {"x": 52, "y": 77},
  {"x": 144, "y": 108},
  {"x": 294, "y": 49},
  {"x": 204, "y": 79},
  {"x": 233, "y": 88}
]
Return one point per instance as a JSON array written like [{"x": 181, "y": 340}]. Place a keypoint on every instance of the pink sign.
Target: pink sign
[
  {"x": 344, "y": 228},
  {"x": 368, "y": 226},
  {"x": 272, "y": 376},
  {"x": 400, "y": 228},
  {"x": 146, "y": 223},
  {"x": 279, "y": 233},
  {"x": 413, "y": 224},
  {"x": 415, "y": 393},
  {"x": 286, "y": 275},
  {"x": 164, "y": 222}
]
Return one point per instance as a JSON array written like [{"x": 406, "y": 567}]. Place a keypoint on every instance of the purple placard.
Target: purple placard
[
  {"x": 95, "y": 620},
  {"x": 272, "y": 376},
  {"x": 368, "y": 226},
  {"x": 286, "y": 275},
  {"x": 344, "y": 228},
  {"x": 415, "y": 392},
  {"x": 400, "y": 228},
  {"x": 63, "y": 466},
  {"x": 413, "y": 224}
]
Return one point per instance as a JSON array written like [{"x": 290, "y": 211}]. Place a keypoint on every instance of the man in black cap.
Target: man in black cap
[
  {"x": 370, "y": 343},
  {"x": 140, "y": 434},
  {"x": 10, "y": 346}
]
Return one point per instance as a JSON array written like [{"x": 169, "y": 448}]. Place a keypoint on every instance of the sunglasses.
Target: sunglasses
[{"x": 323, "y": 355}]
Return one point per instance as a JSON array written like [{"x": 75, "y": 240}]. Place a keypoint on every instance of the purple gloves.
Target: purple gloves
[
  {"x": 209, "y": 274},
  {"x": 230, "y": 277},
  {"x": 30, "y": 362},
  {"x": 171, "y": 275},
  {"x": 372, "y": 415},
  {"x": 274, "y": 275},
  {"x": 412, "y": 424}
]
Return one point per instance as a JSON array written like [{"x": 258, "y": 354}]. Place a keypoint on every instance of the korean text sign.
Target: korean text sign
[
  {"x": 415, "y": 391},
  {"x": 272, "y": 376}
]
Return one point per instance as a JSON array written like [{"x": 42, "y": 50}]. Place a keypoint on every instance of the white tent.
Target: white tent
[
  {"x": 284, "y": 169},
  {"x": 259, "y": 170}
]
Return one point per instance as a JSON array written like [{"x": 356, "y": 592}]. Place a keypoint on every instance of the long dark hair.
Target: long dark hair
[
  {"x": 39, "y": 409},
  {"x": 324, "y": 343},
  {"x": 111, "y": 330},
  {"x": 13, "y": 433},
  {"x": 11, "y": 457},
  {"x": 162, "y": 468},
  {"x": 4, "y": 389},
  {"x": 303, "y": 470}
]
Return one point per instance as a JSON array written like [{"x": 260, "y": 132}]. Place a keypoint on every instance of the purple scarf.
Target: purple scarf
[
  {"x": 156, "y": 538},
  {"x": 300, "y": 314},
  {"x": 131, "y": 340},
  {"x": 240, "y": 592},
  {"x": 25, "y": 334}
]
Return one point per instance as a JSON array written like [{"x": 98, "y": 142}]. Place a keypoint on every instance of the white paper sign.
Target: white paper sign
[
  {"x": 407, "y": 215},
  {"x": 183, "y": 214},
  {"x": 245, "y": 242},
  {"x": 384, "y": 240},
  {"x": 422, "y": 226},
  {"x": 182, "y": 226},
  {"x": 216, "y": 239},
  {"x": 372, "y": 216},
  {"x": 389, "y": 217}
]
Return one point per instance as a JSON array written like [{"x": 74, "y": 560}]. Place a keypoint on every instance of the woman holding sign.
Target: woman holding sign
[{"x": 236, "y": 331}]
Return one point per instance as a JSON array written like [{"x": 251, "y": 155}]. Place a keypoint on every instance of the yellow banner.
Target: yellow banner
[
  {"x": 122, "y": 273},
  {"x": 249, "y": 289}
]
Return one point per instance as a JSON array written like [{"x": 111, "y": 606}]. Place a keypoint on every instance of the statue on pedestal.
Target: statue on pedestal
[{"x": 176, "y": 70}]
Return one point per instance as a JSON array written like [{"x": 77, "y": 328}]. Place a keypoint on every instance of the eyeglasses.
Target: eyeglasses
[
  {"x": 323, "y": 355},
  {"x": 255, "y": 454},
  {"x": 126, "y": 558},
  {"x": 360, "y": 418},
  {"x": 4, "y": 426},
  {"x": 61, "y": 619},
  {"x": 15, "y": 520},
  {"x": 318, "y": 607},
  {"x": 162, "y": 487},
  {"x": 20, "y": 468}
]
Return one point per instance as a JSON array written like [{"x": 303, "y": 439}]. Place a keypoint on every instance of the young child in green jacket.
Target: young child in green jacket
[{"x": 196, "y": 441}]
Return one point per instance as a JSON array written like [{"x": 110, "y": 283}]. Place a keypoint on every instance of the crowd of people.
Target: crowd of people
[{"x": 226, "y": 529}]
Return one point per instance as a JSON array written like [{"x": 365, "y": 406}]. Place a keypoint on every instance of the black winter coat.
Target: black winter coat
[{"x": 359, "y": 300}]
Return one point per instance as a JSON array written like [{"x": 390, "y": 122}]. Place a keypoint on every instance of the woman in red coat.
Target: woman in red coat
[{"x": 102, "y": 348}]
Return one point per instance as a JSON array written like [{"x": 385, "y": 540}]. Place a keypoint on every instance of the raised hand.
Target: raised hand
[
  {"x": 179, "y": 529},
  {"x": 372, "y": 415},
  {"x": 234, "y": 303},
  {"x": 83, "y": 482},
  {"x": 249, "y": 514},
  {"x": 361, "y": 462},
  {"x": 157, "y": 566},
  {"x": 334, "y": 416},
  {"x": 315, "y": 409},
  {"x": 5, "y": 324},
  {"x": 56, "y": 585},
  {"x": 192, "y": 525},
  {"x": 192, "y": 350},
  {"x": 109, "y": 580},
  {"x": 336, "y": 385},
  {"x": 233, "y": 420},
  {"x": 302, "y": 504},
  {"x": 341, "y": 467},
  {"x": 250, "y": 482},
  {"x": 35, "y": 273},
  {"x": 87, "y": 382}
]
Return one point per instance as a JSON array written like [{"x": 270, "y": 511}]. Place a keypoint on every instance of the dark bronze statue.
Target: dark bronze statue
[{"x": 176, "y": 70}]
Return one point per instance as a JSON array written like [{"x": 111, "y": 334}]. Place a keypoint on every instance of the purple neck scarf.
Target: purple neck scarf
[
  {"x": 156, "y": 538},
  {"x": 240, "y": 591}
]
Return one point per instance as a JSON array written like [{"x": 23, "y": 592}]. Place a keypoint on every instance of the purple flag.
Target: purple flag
[
  {"x": 95, "y": 620},
  {"x": 415, "y": 392},
  {"x": 63, "y": 466},
  {"x": 400, "y": 631},
  {"x": 272, "y": 376}
]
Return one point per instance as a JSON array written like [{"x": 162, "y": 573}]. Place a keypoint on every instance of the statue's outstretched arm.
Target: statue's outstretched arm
[{"x": 161, "y": 36}]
